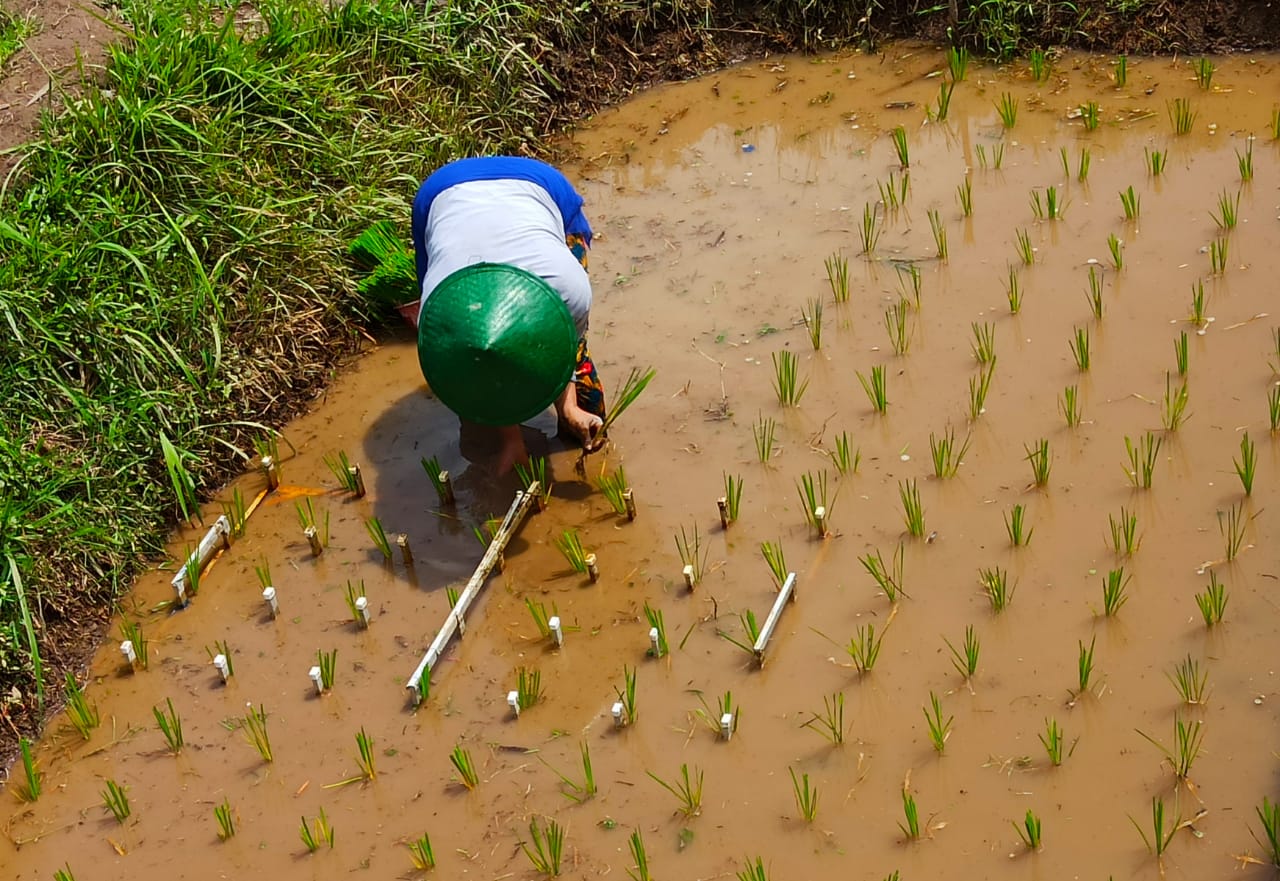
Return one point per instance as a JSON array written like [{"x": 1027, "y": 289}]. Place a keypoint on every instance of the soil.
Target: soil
[{"x": 716, "y": 203}]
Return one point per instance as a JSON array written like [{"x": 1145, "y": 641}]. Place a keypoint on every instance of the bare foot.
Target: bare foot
[
  {"x": 513, "y": 451},
  {"x": 409, "y": 312}
]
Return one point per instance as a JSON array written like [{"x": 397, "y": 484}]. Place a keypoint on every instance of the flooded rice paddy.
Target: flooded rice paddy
[{"x": 717, "y": 203}]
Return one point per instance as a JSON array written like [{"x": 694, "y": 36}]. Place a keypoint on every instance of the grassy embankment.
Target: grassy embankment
[{"x": 14, "y": 30}]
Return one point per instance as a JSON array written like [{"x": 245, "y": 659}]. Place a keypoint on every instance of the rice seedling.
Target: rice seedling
[
  {"x": 569, "y": 544},
  {"x": 939, "y": 233},
  {"x": 578, "y": 792},
  {"x": 535, "y": 471},
  {"x": 1191, "y": 683},
  {"x": 1246, "y": 464},
  {"x": 894, "y": 191},
  {"x": 775, "y": 560},
  {"x": 327, "y": 662},
  {"x": 1218, "y": 256},
  {"x": 947, "y": 457},
  {"x": 1228, "y": 212},
  {"x": 899, "y": 135},
  {"x": 1116, "y": 247},
  {"x": 692, "y": 554},
  {"x": 1173, "y": 410},
  {"x": 875, "y": 389},
  {"x": 846, "y": 457},
  {"x": 132, "y": 633},
  {"x": 378, "y": 535},
  {"x": 984, "y": 342},
  {"x": 813, "y": 496},
  {"x": 711, "y": 717},
  {"x": 957, "y": 63},
  {"x": 1051, "y": 207},
  {"x": 1275, "y": 123},
  {"x": 1269, "y": 817},
  {"x": 632, "y": 387},
  {"x": 1084, "y": 666},
  {"x": 837, "y": 266},
  {"x": 1124, "y": 532},
  {"x": 982, "y": 156},
  {"x": 1182, "y": 116},
  {"x": 750, "y": 632},
  {"x": 869, "y": 231},
  {"x": 640, "y": 857},
  {"x": 731, "y": 501},
  {"x": 1040, "y": 459},
  {"x": 979, "y": 386},
  {"x": 451, "y": 595},
  {"x": 1013, "y": 292},
  {"x": 1069, "y": 404},
  {"x": 1082, "y": 167},
  {"x": 1232, "y": 526},
  {"x": 115, "y": 798},
  {"x": 1187, "y": 742},
  {"x": 1156, "y": 160},
  {"x": 806, "y": 795},
  {"x": 812, "y": 317},
  {"x": 320, "y": 831},
  {"x": 939, "y": 728},
  {"x": 365, "y": 759},
  {"x": 1079, "y": 344},
  {"x": 421, "y": 854},
  {"x": 995, "y": 584},
  {"x": 424, "y": 686},
  {"x": 1120, "y": 72},
  {"x": 965, "y": 658},
  {"x": 529, "y": 688},
  {"x": 1162, "y": 832},
  {"x": 912, "y": 509},
  {"x": 1007, "y": 107},
  {"x": 1094, "y": 294},
  {"x": 1029, "y": 831},
  {"x": 439, "y": 480},
  {"x": 945, "y": 89},
  {"x": 1244, "y": 161},
  {"x": 310, "y": 520},
  {"x": 170, "y": 725},
  {"x": 889, "y": 578},
  {"x": 1142, "y": 459},
  {"x": 255, "y": 731},
  {"x": 895, "y": 323},
  {"x": 548, "y": 846},
  {"x": 1089, "y": 115},
  {"x": 83, "y": 715},
  {"x": 764, "y": 430},
  {"x": 1180, "y": 353},
  {"x": 32, "y": 775},
  {"x": 1212, "y": 601},
  {"x": 538, "y": 612},
  {"x": 460, "y": 758},
  {"x": 1053, "y": 741},
  {"x": 340, "y": 466},
  {"x": 236, "y": 511},
  {"x": 686, "y": 788},
  {"x": 911, "y": 816},
  {"x": 753, "y": 871},
  {"x": 1204, "y": 70},
  {"x": 263, "y": 572},
  {"x": 1015, "y": 526},
  {"x": 627, "y": 695},
  {"x": 225, "y": 819},
  {"x": 613, "y": 487},
  {"x": 964, "y": 195},
  {"x": 997, "y": 155},
  {"x": 64, "y": 874},
  {"x": 864, "y": 648},
  {"x": 1026, "y": 253},
  {"x": 1114, "y": 588},
  {"x": 1131, "y": 202},
  {"x": 786, "y": 379},
  {"x": 830, "y": 722},
  {"x": 1039, "y": 64}
]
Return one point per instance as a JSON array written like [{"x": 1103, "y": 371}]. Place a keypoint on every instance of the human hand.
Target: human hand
[{"x": 586, "y": 427}]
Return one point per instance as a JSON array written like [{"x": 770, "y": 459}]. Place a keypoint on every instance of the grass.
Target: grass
[
  {"x": 806, "y": 795},
  {"x": 687, "y": 789},
  {"x": 83, "y": 715},
  {"x": 640, "y": 857},
  {"x": 1232, "y": 525},
  {"x": 1079, "y": 344},
  {"x": 170, "y": 725},
  {"x": 869, "y": 231},
  {"x": 900, "y": 147},
  {"x": 1007, "y": 107},
  {"x": 1142, "y": 459},
  {"x": 813, "y": 322},
  {"x": 632, "y": 387},
  {"x": 1228, "y": 213},
  {"x": 613, "y": 487},
  {"x": 830, "y": 722},
  {"x": 984, "y": 342},
  {"x": 1084, "y": 665},
  {"x": 1089, "y": 115},
  {"x": 837, "y": 266},
  {"x": 764, "y": 431},
  {"x": 254, "y": 726},
  {"x": 421, "y": 854},
  {"x": 965, "y": 659},
  {"x": 547, "y": 848},
  {"x": 569, "y": 544},
  {"x": 1053, "y": 741},
  {"x": 627, "y": 695},
  {"x": 889, "y": 578},
  {"x": 947, "y": 456},
  {"x": 1069, "y": 405},
  {"x": 115, "y": 798},
  {"x": 1173, "y": 409},
  {"x": 1246, "y": 465},
  {"x": 319, "y": 831},
  {"x": 910, "y": 825},
  {"x": 895, "y": 323},
  {"x": 875, "y": 389},
  {"x": 786, "y": 379},
  {"x": 1029, "y": 831},
  {"x": 775, "y": 560},
  {"x": 912, "y": 509},
  {"x": 1212, "y": 601},
  {"x": 1182, "y": 116},
  {"x": 864, "y": 648},
  {"x": 939, "y": 230},
  {"x": 460, "y": 758},
  {"x": 692, "y": 554},
  {"x": 1041, "y": 461},
  {"x": 1190, "y": 681},
  {"x": 995, "y": 584},
  {"x": 225, "y": 819},
  {"x": 1120, "y": 72},
  {"x": 1114, "y": 588},
  {"x": 1016, "y": 527},
  {"x": 1124, "y": 532},
  {"x": 1162, "y": 832},
  {"x": 14, "y": 31},
  {"x": 939, "y": 728},
  {"x": 846, "y": 457}
]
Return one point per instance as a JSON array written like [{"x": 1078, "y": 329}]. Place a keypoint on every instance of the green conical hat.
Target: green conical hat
[{"x": 496, "y": 344}]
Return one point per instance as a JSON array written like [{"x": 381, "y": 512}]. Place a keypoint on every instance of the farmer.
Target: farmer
[{"x": 501, "y": 250}]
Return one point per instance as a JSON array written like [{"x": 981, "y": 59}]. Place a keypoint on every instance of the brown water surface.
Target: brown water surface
[{"x": 716, "y": 203}]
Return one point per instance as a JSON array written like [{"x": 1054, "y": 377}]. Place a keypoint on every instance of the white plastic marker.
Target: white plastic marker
[
  {"x": 224, "y": 669},
  {"x": 593, "y": 570},
  {"x": 314, "y": 673},
  {"x": 557, "y": 632},
  {"x": 688, "y": 576},
  {"x": 787, "y": 593},
  {"x": 130, "y": 656},
  {"x": 362, "y": 609},
  {"x": 619, "y": 717},
  {"x": 655, "y": 644},
  {"x": 513, "y": 701},
  {"x": 726, "y": 726},
  {"x": 269, "y": 597}
]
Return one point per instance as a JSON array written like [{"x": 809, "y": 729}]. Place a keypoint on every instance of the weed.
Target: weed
[
  {"x": 846, "y": 457},
  {"x": 462, "y": 763},
  {"x": 875, "y": 389},
  {"x": 1162, "y": 833},
  {"x": 995, "y": 584},
  {"x": 786, "y": 379},
  {"x": 1040, "y": 459},
  {"x": 1079, "y": 344},
  {"x": 1142, "y": 459},
  {"x": 686, "y": 788},
  {"x": 947, "y": 457},
  {"x": 1180, "y": 353},
  {"x": 1190, "y": 681},
  {"x": 1084, "y": 665},
  {"x": 895, "y": 322},
  {"x": 170, "y": 725},
  {"x": 912, "y": 509},
  {"x": 115, "y": 798},
  {"x": 1007, "y": 107},
  {"x": 1156, "y": 160},
  {"x": 1228, "y": 212},
  {"x": 1026, "y": 253},
  {"x": 869, "y": 232},
  {"x": 529, "y": 688},
  {"x": 837, "y": 266},
  {"x": 1232, "y": 526},
  {"x": 1182, "y": 116},
  {"x": 225, "y": 820},
  {"x": 627, "y": 695},
  {"x": 1116, "y": 247},
  {"x": 570, "y": 547},
  {"x": 1089, "y": 115},
  {"x": 255, "y": 731},
  {"x": 964, "y": 194},
  {"x": 692, "y": 555},
  {"x": 1120, "y": 73},
  {"x": 888, "y": 578},
  {"x": 965, "y": 659},
  {"x": 614, "y": 487},
  {"x": 1212, "y": 601},
  {"x": 899, "y": 135},
  {"x": 1124, "y": 532},
  {"x": 984, "y": 342},
  {"x": 806, "y": 796},
  {"x": 83, "y": 715},
  {"x": 830, "y": 722},
  {"x": 1069, "y": 404},
  {"x": 548, "y": 846},
  {"x": 421, "y": 854},
  {"x": 979, "y": 386},
  {"x": 764, "y": 430},
  {"x": 1113, "y": 591},
  {"x": 775, "y": 559},
  {"x": 813, "y": 322},
  {"x": 1246, "y": 464},
  {"x": 864, "y": 648},
  {"x": 1029, "y": 831},
  {"x": 1053, "y": 741},
  {"x": 379, "y": 537},
  {"x": 1015, "y": 526}
]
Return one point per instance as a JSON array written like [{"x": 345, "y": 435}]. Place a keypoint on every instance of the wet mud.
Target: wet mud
[{"x": 716, "y": 203}]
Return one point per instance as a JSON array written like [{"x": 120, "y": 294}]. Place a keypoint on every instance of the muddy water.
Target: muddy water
[{"x": 716, "y": 202}]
